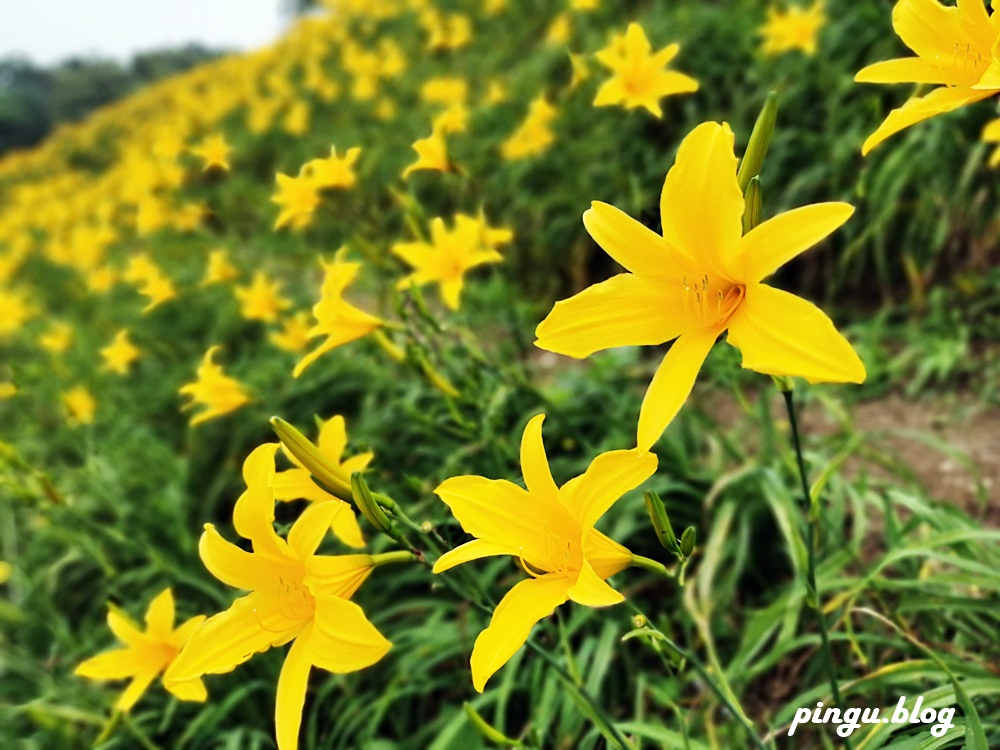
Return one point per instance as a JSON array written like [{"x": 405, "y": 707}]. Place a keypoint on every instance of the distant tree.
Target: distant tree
[{"x": 33, "y": 100}]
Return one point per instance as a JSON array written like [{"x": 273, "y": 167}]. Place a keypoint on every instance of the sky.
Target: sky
[{"x": 47, "y": 31}]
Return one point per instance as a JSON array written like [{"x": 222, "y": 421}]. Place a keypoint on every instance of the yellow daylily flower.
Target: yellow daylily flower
[
  {"x": 57, "y": 339},
  {"x": 432, "y": 153},
  {"x": 496, "y": 92},
  {"x": 448, "y": 256},
  {"x": 297, "y": 118},
  {"x": 296, "y": 596},
  {"x": 455, "y": 119},
  {"x": 445, "y": 90},
  {"x": 146, "y": 654},
  {"x": 701, "y": 278},
  {"x": 584, "y": 5},
  {"x": 794, "y": 28},
  {"x": 298, "y": 198},
  {"x": 219, "y": 268},
  {"x": 581, "y": 70},
  {"x": 101, "y": 279},
  {"x": 640, "y": 77},
  {"x": 294, "y": 334},
  {"x": 298, "y": 484},
  {"x": 452, "y": 31},
  {"x": 7, "y": 390},
  {"x": 991, "y": 134},
  {"x": 336, "y": 318},
  {"x": 334, "y": 171},
  {"x": 491, "y": 237},
  {"x": 550, "y": 530},
  {"x": 15, "y": 311},
  {"x": 157, "y": 289},
  {"x": 120, "y": 354},
  {"x": 560, "y": 30},
  {"x": 957, "y": 50},
  {"x": 213, "y": 389},
  {"x": 80, "y": 406},
  {"x": 214, "y": 151},
  {"x": 5, "y": 571},
  {"x": 188, "y": 217},
  {"x": 385, "y": 109},
  {"x": 261, "y": 300},
  {"x": 534, "y": 134}
]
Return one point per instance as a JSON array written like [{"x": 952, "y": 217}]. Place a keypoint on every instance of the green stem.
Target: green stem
[
  {"x": 728, "y": 700},
  {"x": 813, "y": 519},
  {"x": 638, "y": 561}
]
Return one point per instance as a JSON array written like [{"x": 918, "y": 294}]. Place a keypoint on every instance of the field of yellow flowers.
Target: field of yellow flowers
[{"x": 326, "y": 421}]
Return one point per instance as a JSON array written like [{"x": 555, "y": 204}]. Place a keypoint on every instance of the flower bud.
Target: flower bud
[
  {"x": 310, "y": 457},
  {"x": 688, "y": 540},
  {"x": 369, "y": 507},
  {"x": 752, "y": 205},
  {"x": 760, "y": 140},
  {"x": 661, "y": 522}
]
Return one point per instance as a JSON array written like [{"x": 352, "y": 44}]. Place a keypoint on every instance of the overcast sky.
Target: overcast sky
[{"x": 50, "y": 30}]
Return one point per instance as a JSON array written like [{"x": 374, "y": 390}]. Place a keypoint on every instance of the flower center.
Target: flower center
[
  {"x": 560, "y": 556},
  {"x": 295, "y": 601},
  {"x": 711, "y": 302}
]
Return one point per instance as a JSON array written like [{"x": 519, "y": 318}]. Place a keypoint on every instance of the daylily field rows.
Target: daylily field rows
[{"x": 481, "y": 373}]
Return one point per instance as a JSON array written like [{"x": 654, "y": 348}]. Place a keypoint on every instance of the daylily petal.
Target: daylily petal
[
  {"x": 781, "y": 334},
  {"x": 608, "y": 477},
  {"x": 524, "y": 605},
  {"x": 290, "y": 697},
  {"x": 591, "y": 590},
  {"x": 191, "y": 690},
  {"x": 497, "y": 511},
  {"x": 701, "y": 205},
  {"x": 356, "y": 463},
  {"x": 297, "y": 484},
  {"x": 534, "y": 463},
  {"x": 625, "y": 310},
  {"x": 922, "y": 108},
  {"x": 122, "y": 626},
  {"x": 907, "y": 70},
  {"x": 234, "y": 566},
  {"x": 140, "y": 683},
  {"x": 342, "y": 639},
  {"x": 111, "y": 665},
  {"x": 311, "y": 527},
  {"x": 633, "y": 245},
  {"x": 333, "y": 438},
  {"x": 474, "y": 550},
  {"x": 253, "y": 515},
  {"x": 605, "y": 555},
  {"x": 345, "y": 525},
  {"x": 928, "y": 28},
  {"x": 451, "y": 292},
  {"x": 770, "y": 245},
  {"x": 252, "y": 624},
  {"x": 160, "y": 616},
  {"x": 672, "y": 383},
  {"x": 184, "y": 632},
  {"x": 338, "y": 575}
]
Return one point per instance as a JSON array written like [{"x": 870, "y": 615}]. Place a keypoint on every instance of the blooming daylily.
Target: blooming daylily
[
  {"x": 448, "y": 256},
  {"x": 958, "y": 50},
  {"x": 640, "y": 76},
  {"x": 213, "y": 389},
  {"x": 701, "y": 278},
  {"x": 794, "y": 28},
  {"x": 336, "y": 318},
  {"x": 294, "y": 334},
  {"x": 219, "y": 268},
  {"x": 146, "y": 654},
  {"x": 432, "y": 153},
  {"x": 119, "y": 355},
  {"x": 261, "y": 300},
  {"x": 333, "y": 171},
  {"x": 296, "y": 596},
  {"x": 298, "y": 198},
  {"x": 298, "y": 484},
  {"x": 550, "y": 530},
  {"x": 214, "y": 152},
  {"x": 80, "y": 406},
  {"x": 534, "y": 135}
]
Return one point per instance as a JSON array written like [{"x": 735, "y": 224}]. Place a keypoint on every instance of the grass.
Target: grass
[{"x": 908, "y": 583}]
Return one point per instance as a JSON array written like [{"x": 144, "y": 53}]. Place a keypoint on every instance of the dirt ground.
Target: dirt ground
[{"x": 951, "y": 443}]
